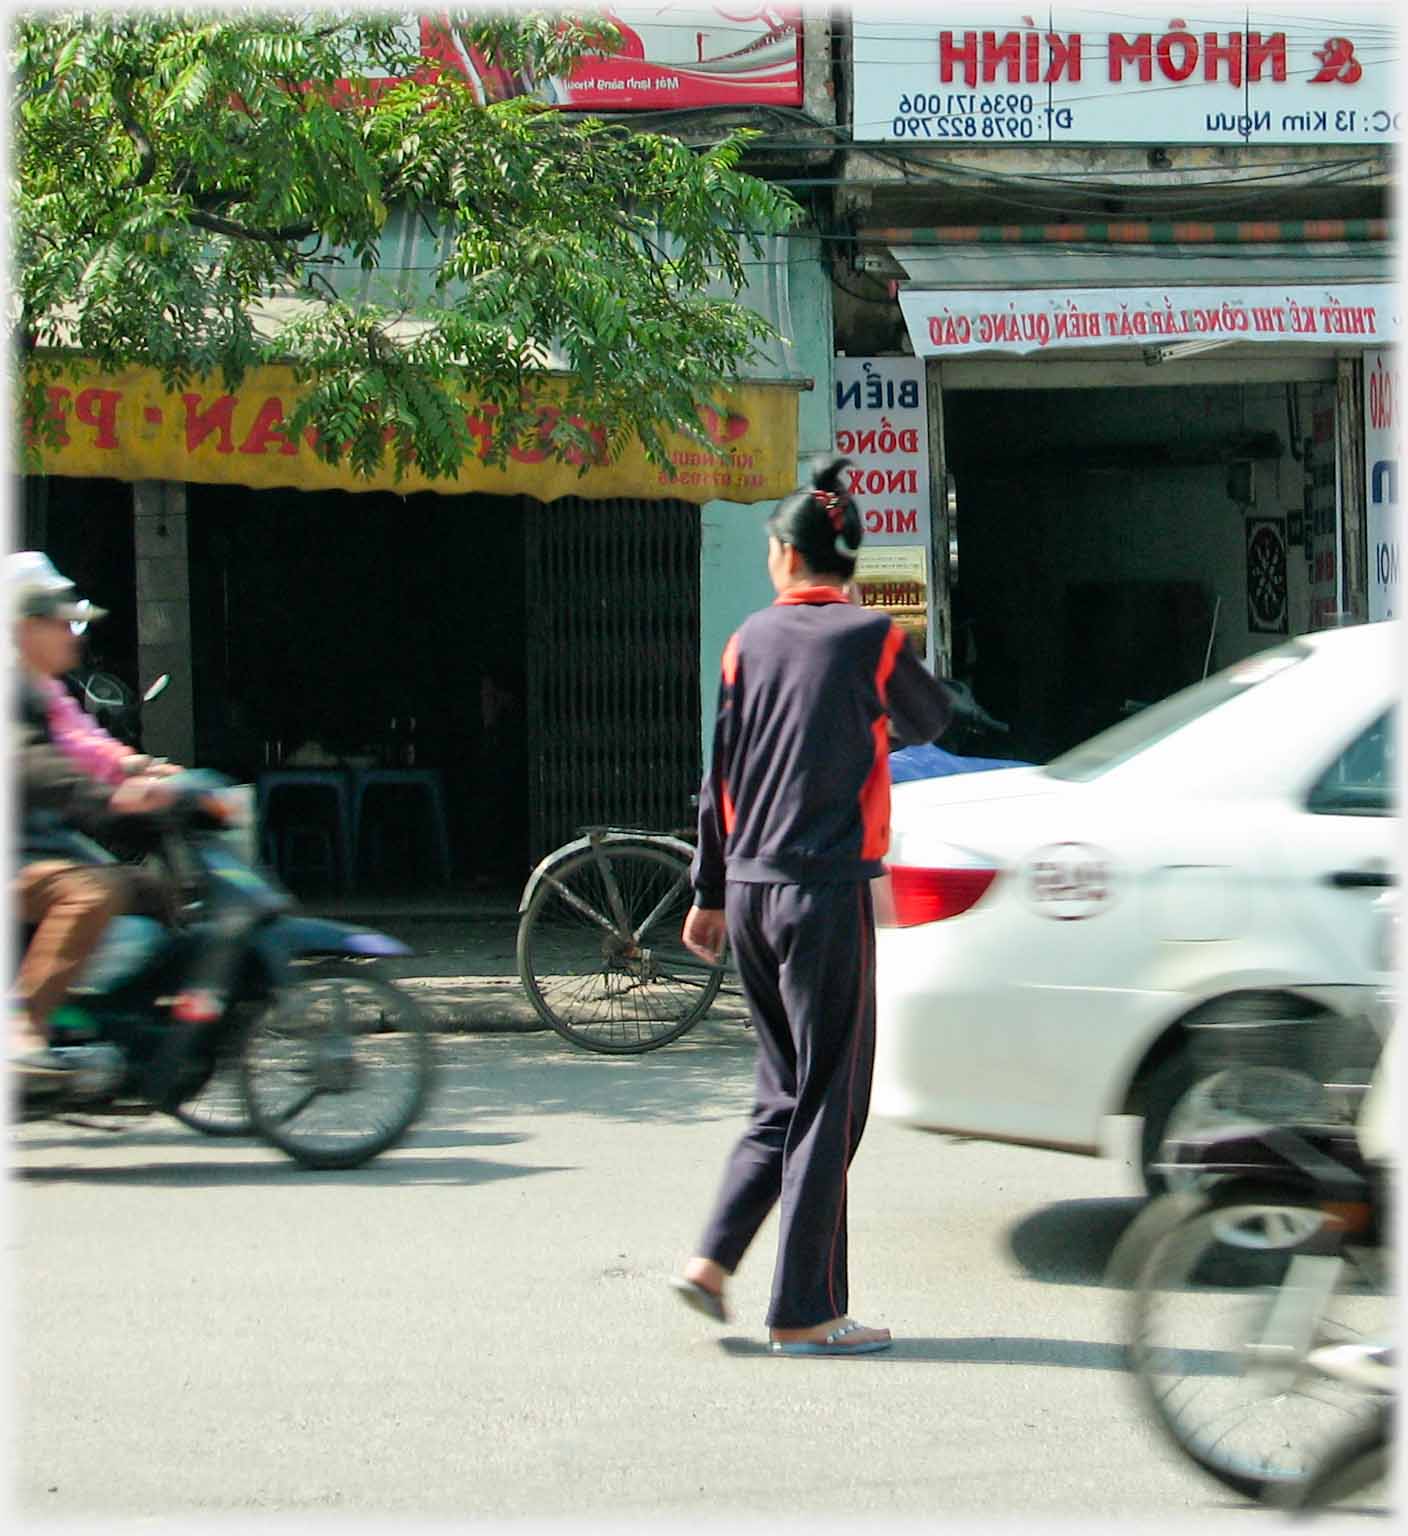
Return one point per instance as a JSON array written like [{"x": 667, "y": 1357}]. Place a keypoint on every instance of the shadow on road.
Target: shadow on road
[
  {"x": 209, "y": 1172},
  {"x": 1070, "y": 1243},
  {"x": 1076, "y": 1354}
]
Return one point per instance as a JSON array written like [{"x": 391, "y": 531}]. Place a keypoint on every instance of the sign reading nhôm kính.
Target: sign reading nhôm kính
[{"x": 1133, "y": 73}]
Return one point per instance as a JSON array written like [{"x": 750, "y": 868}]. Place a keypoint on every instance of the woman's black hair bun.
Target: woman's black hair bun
[{"x": 826, "y": 473}]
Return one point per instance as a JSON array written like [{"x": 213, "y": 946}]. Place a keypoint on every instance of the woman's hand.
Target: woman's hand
[
  {"x": 141, "y": 796},
  {"x": 704, "y": 933}
]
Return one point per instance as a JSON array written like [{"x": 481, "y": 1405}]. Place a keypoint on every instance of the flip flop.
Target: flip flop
[
  {"x": 833, "y": 1344},
  {"x": 710, "y": 1303}
]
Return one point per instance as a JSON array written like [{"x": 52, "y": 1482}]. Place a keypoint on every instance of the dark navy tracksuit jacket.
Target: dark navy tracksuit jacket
[{"x": 794, "y": 821}]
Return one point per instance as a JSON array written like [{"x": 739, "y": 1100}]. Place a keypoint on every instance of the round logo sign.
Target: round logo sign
[{"x": 1068, "y": 880}]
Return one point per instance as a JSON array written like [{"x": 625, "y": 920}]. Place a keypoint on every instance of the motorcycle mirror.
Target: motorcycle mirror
[{"x": 157, "y": 688}]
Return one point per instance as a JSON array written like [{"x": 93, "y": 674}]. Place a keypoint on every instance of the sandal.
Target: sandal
[{"x": 838, "y": 1342}]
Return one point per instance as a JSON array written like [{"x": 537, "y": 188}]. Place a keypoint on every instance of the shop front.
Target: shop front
[
  {"x": 1142, "y": 473},
  {"x": 1159, "y": 409},
  {"x": 528, "y": 635}
]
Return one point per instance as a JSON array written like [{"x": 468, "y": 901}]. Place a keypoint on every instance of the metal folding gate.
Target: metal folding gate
[{"x": 612, "y": 592}]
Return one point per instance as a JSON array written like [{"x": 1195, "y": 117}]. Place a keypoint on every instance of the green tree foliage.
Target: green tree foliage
[{"x": 175, "y": 172}]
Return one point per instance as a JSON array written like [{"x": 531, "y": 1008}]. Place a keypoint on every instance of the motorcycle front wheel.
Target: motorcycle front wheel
[
  {"x": 337, "y": 1066},
  {"x": 1228, "y": 1305}
]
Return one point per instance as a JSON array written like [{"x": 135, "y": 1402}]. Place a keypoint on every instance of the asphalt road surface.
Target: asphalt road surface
[{"x": 477, "y": 1325}]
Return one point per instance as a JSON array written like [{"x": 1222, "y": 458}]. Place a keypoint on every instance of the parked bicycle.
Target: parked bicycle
[{"x": 599, "y": 948}]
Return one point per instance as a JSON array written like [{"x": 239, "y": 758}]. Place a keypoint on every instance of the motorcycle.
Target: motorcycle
[
  {"x": 113, "y": 704},
  {"x": 241, "y": 1015},
  {"x": 1263, "y": 1306}
]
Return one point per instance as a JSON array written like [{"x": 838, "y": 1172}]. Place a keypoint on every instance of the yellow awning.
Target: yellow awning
[{"x": 126, "y": 426}]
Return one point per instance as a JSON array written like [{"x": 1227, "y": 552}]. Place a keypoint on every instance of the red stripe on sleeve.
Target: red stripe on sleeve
[
  {"x": 875, "y": 792},
  {"x": 730, "y": 662}
]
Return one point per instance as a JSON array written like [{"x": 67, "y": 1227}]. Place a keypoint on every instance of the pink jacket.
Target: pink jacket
[{"x": 85, "y": 744}]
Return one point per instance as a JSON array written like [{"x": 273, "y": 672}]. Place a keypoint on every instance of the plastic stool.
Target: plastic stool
[{"x": 308, "y": 850}]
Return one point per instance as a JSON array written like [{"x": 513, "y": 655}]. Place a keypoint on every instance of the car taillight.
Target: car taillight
[{"x": 922, "y": 895}]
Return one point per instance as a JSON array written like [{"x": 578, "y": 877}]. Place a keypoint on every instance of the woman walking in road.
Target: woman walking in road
[{"x": 793, "y": 824}]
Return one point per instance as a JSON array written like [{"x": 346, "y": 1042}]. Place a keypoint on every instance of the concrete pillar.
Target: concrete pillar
[{"x": 164, "y": 617}]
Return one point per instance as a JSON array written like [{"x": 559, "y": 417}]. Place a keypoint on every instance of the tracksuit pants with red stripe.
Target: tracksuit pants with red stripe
[{"x": 806, "y": 958}]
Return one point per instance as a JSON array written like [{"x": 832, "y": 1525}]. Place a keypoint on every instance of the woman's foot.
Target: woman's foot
[
  {"x": 29, "y": 1052},
  {"x": 701, "y": 1285},
  {"x": 840, "y": 1336}
]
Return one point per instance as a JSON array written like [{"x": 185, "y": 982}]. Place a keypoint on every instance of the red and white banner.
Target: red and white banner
[
  {"x": 954, "y": 323},
  {"x": 669, "y": 56},
  {"x": 1383, "y": 380}
]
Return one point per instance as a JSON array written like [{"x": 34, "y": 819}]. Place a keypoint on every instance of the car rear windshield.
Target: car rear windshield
[{"x": 1140, "y": 732}]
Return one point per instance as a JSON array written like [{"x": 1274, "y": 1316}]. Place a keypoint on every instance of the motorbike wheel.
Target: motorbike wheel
[
  {"x": 1241, "y": 1404},
  {"x": 336, "y": 1068},
  {"x": 1181, "y": 1103},
  {"x": 600, "y": 955},
  {"x": 219, "y": 1107},
  {"x": 1359, "y": 1463}
]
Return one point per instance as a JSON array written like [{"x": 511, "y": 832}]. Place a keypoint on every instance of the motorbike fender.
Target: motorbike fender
[
  {"x": 676, "y": 844},
  {"x": 294, "y": 938}
]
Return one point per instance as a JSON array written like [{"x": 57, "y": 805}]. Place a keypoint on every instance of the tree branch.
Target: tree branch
[
  {"x": 122, "y": 101},
  {"x": 280, "y": 236}
]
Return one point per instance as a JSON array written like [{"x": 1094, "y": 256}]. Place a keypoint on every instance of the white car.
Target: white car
[{"x": 1051, "y": 937}]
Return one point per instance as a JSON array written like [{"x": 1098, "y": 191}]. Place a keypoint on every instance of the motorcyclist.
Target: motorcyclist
[{"x": 57, "y": 793}]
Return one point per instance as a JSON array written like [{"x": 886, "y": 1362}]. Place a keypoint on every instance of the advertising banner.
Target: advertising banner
[
  {"x": 1382, "y": 383},
  {"x": 670, "y": 55},
  {"x": 126, "y": 426},
  {"x": 953, "y": 322},
  {"x": 1128, "y": 73},
  {"x": 881, "y": 421},
  {"x": 896, "y": 578}
]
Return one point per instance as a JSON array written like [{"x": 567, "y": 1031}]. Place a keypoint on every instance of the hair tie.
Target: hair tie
[{"x": 831, "y": 504}]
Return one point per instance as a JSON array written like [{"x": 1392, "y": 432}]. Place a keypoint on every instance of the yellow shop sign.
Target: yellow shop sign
[{"x": 127, "y": 426}]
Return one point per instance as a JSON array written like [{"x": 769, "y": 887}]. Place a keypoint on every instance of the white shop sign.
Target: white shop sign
[
  {"x": 881, "y": 421},
  {"x": 1382, "y": 382},
  {"x": 1131, "y": 73},
  {"x": 954, "y": 322}
]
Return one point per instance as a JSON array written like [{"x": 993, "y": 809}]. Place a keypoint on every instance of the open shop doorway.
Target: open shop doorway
[
  {"x": 367, "y": 630},
  {"x": 1115, "y": 544}
]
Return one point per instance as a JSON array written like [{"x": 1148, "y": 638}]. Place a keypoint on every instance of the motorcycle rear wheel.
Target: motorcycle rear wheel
[
  {"x": 219, "y": 1107},
  {"x": 1254, "y": 1417},
  {"x": 336, "y": 1068}
]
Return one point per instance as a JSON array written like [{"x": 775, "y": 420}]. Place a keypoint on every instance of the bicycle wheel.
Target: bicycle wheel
[
  {"x": 219, "y": 1107},
  {"x": 600, "y": 954},
  {"x": 1228, "y": 1303},
  {"x": 1359, "y": 1463},
  {"x": 337, "y": 1067}
]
